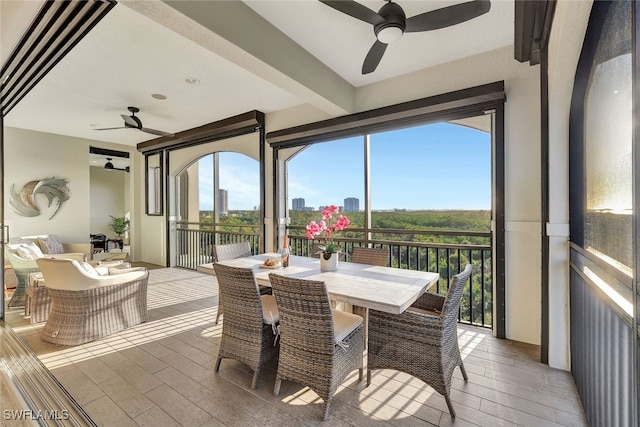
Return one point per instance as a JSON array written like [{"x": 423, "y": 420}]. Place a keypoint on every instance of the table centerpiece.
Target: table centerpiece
[{"x": 330, "y": 224}]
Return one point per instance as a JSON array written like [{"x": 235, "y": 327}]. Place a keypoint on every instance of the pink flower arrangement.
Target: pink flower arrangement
[{"x": 329, "y": 227}]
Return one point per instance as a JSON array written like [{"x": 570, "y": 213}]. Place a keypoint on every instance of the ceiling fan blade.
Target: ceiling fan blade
[
  {"x": 156, "y": 132},
  {"x": 373, "y": 57},
  {"x": 120, "y": 127},
  {"x": 355, "y": 10},
  {"x": 447, "y": 16}
]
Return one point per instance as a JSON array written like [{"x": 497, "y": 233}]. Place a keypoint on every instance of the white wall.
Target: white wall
[
  {"x": 567, "y": 35},
  {"x": 34, "y": 156},
  {"x": 31, "y": 155},
  {"x": 153, "y": 228}
]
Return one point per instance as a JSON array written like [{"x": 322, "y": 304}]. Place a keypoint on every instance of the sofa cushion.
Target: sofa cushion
[
  {"x": 51, "y": 244},
  {"x": 26, "y": 250}
]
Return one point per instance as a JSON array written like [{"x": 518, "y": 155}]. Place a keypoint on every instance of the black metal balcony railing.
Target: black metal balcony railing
[
  {"x": 408, "y": 252},
  {"x": 409, "y": 249},
  {"x": 195, "y": 240}
]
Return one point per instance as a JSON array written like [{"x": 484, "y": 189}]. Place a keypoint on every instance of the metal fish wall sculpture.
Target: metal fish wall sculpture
[{"x": 54, "y": 189}]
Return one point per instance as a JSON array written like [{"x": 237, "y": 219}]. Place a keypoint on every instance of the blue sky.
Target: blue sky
[{"x": 439, "y": 166}]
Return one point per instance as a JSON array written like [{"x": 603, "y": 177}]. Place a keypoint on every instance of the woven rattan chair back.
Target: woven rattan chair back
[
  {"x": 370, "y": 256},
  {"x": 308, "y": 351},
  {"x": 451, "y": 306},
  {"x": 245, "y": 336},
  {"x": 228, "y": 252},
  {"x": 422, "y": 341},
  {"x": 231, "y": 251}
]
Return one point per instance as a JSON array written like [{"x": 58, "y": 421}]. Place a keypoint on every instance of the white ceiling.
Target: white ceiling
[{"x": 258, "y": 55}]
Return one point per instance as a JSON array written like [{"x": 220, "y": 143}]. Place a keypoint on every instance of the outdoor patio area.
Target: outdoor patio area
[{"x": 161, "y": 373}]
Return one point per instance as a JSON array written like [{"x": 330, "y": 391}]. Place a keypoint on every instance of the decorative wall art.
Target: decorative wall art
[{"x": 54, "y": 189}]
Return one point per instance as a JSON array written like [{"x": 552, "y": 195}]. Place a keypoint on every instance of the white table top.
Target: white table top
[{"x": 380, "y": 288}]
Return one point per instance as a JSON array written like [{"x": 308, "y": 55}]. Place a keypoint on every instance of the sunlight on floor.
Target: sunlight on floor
[{"x": 163, "y": 297}]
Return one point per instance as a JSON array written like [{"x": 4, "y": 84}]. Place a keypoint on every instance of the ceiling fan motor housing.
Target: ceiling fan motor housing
[
  {"x": 138, "y": 122},
  {"x": 394, "y": 23}
]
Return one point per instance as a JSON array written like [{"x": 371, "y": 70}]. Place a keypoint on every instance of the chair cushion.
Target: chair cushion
[
  {"x": 51, "y": 244},
  {"x": 344, "y": 323},
  {"x": 27, "y": 250},
  {"x": 270, "y": 313}
]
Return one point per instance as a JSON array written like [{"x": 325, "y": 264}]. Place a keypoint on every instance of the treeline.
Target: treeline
[
  {"x": 425, "y": 220},
  {"x": 467, "y": 220}
]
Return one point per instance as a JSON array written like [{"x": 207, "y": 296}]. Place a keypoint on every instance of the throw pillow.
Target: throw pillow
[
  {"x": 51, "y": 244},
  {"x": 29, "y": 251},
  {"x": 89, "y": 269}
]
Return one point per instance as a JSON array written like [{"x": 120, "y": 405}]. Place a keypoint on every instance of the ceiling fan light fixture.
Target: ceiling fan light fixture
[{"x": 389, "y": 34}]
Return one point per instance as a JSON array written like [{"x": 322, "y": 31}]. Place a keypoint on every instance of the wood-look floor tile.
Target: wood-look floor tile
[
  {"x": 514, "y": 415},
  {"x": 187, "y": 366},
  {"x": 96, "y": 370},
  {"x": 186, "y": 386},
  {"x": 137, "y": 376},
  {"x": 126, "y": 396},
  {"x": 149, "y": 362},
  {"x": 160, "y": 373},
  {"x": 105, "y": 412},
  {"x": 78, "y": 384},
  {"x": 156, "y": 417},
  {"x": 181, "y": 409}
]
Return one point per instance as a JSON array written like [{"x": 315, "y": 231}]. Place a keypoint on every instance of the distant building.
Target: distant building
[
  {"x": 351, "y": 204},
  {"x": 297, "y": 204},
  {"x": 223, "y": 202}
]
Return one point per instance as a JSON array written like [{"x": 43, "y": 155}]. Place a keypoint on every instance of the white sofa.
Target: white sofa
[{"x": 22, "y": 252}]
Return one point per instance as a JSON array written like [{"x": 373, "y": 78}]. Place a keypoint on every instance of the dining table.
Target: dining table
[{"x": 387, "y": 289}]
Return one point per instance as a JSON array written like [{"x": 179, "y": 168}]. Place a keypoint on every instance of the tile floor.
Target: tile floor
[{"x": 161, "y": 373}]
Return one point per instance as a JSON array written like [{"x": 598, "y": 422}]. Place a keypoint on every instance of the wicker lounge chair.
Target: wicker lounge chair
[
  {"x": 249, "y": 322},
  {"x": 422, "y": 341},
  {"x": 86, "y": 306},
  {"x": 319, "y": 347},
  {"x": 232, "y": 251}
]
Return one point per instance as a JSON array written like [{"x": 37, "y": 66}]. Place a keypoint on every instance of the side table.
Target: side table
[{"x": 38, "y": 301}]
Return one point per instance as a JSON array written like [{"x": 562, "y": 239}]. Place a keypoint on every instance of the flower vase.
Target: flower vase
[{"x": 329, "y": 261}]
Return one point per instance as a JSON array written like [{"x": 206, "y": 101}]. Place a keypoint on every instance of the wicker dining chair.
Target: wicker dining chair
[
  {"x": 319, "y": 346},
  {"x": 232, "y": 251},
  {"x": 370, "y": 256},
  {"x": 249, "y": 322},
  {"x": 422, "y": 341}
]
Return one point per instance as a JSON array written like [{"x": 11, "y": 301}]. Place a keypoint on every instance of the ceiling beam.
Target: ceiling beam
[
  {"x": 533, "y": 19},
  {"x": 226, "y": 128},
  {"x": 234, "y": 31}
]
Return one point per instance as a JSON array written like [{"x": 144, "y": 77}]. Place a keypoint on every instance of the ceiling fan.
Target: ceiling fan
[
  {"x": 110, "y": 166},
  {"x": 390, "y": 22},
  {"x": 133, "y": 122}
]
